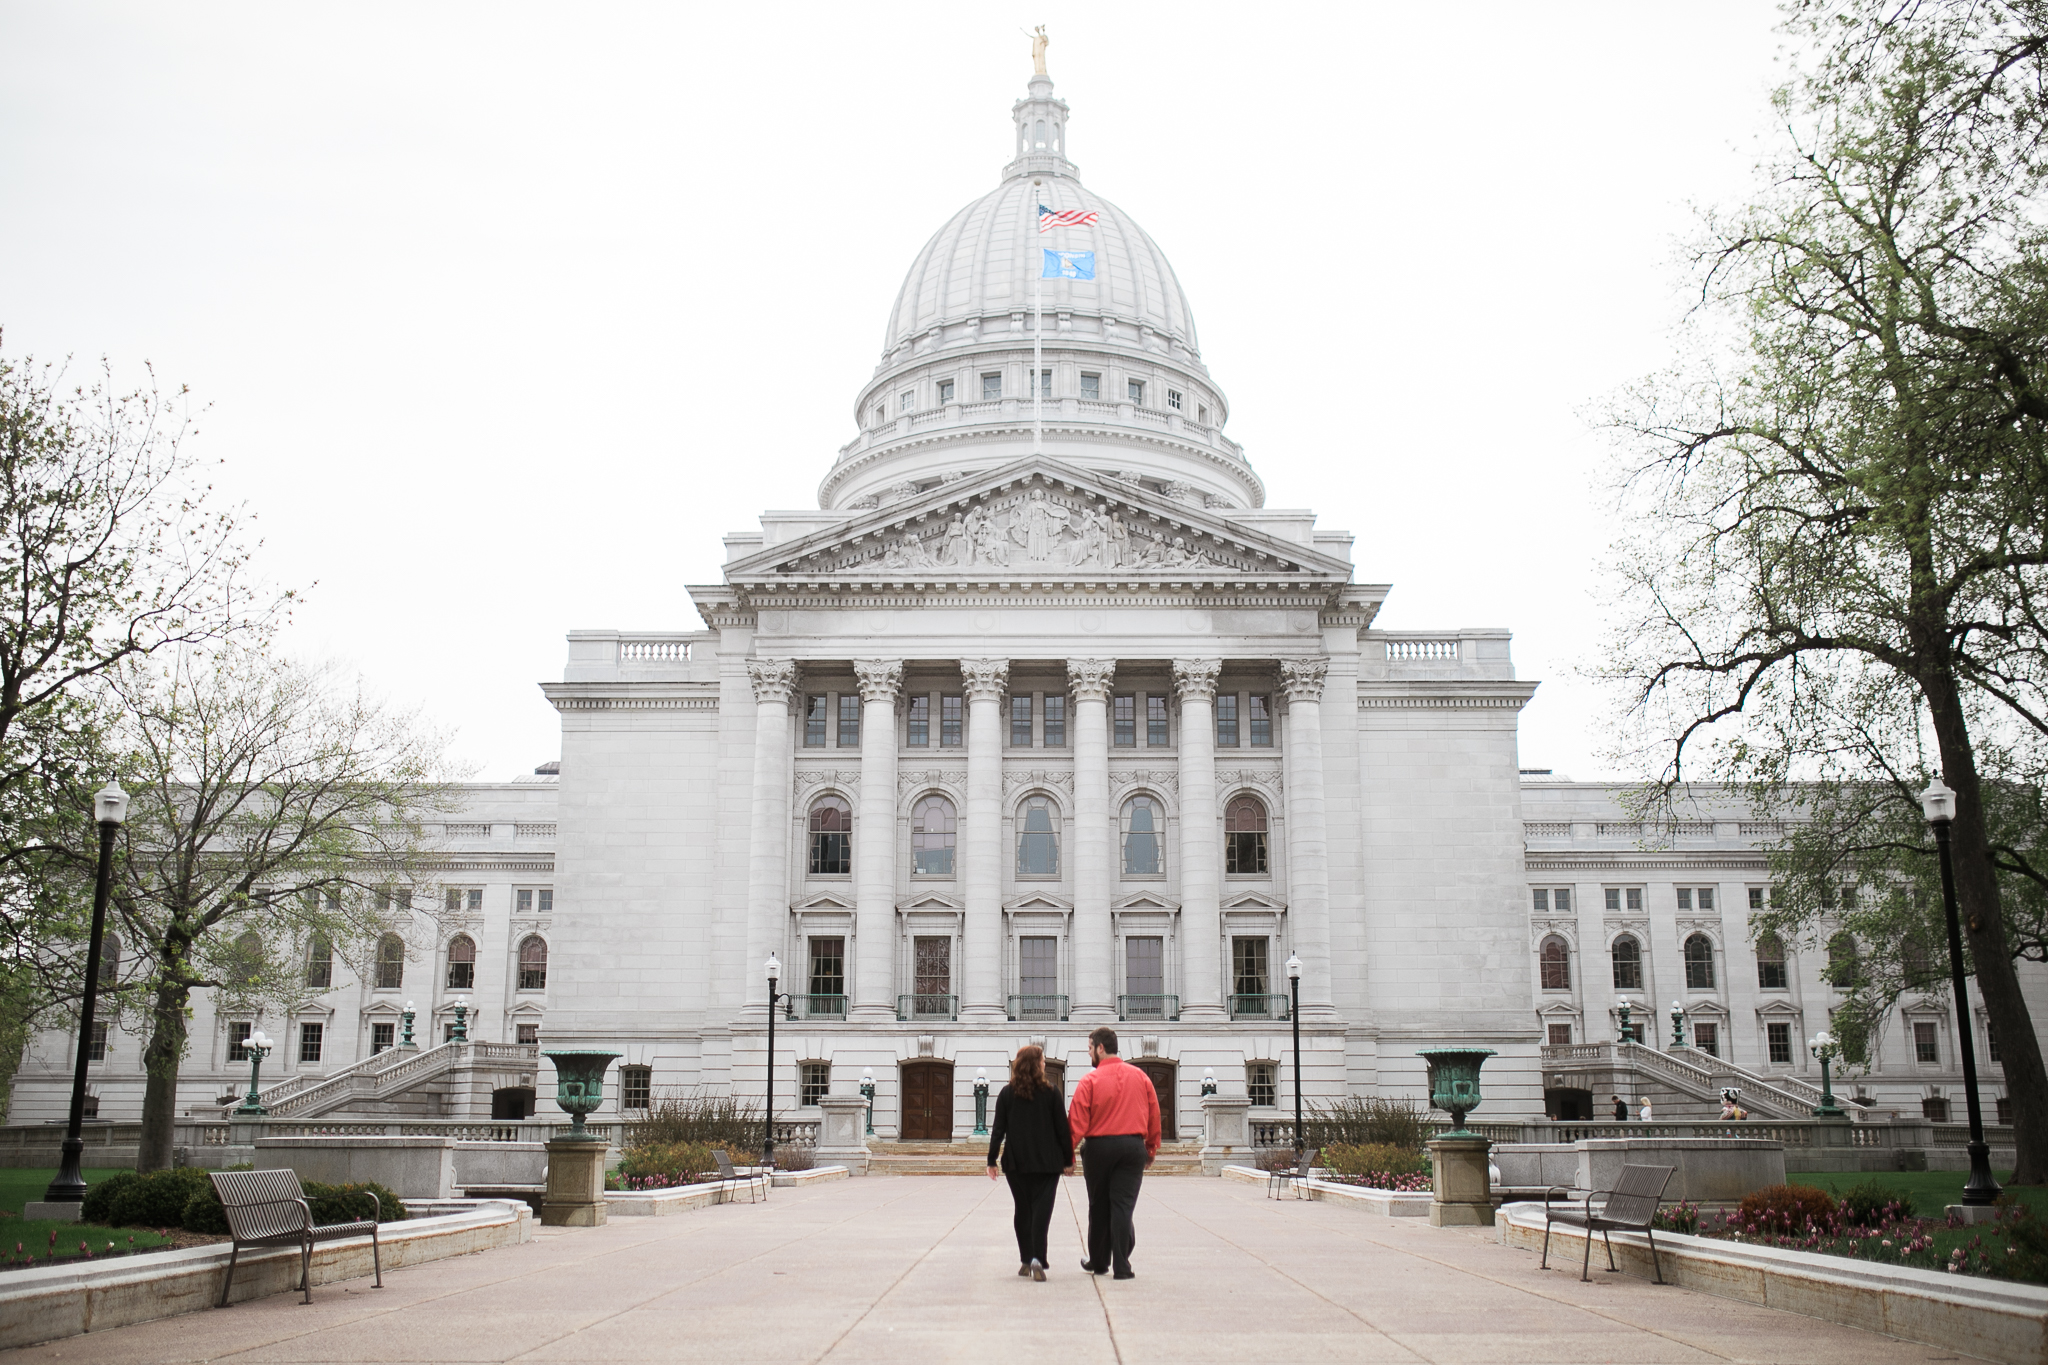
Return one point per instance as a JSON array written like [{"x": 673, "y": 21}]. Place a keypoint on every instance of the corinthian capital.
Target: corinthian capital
[
  {"x": 1196, "y": 678},
  {"x": 773, "y": 679},
  {"x": 1302, "y": 679},
  {"x": 1090, "y": 678},
  {"x": 880, "y": 679},
  {"x": 985, "y": 679}
]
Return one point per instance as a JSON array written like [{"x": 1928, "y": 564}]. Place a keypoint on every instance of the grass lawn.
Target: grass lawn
[
  {"x": 17, "y": 1187},
  {"x": 1931, "y": 1190}
]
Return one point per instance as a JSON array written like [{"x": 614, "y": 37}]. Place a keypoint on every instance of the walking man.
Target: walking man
[{"x": 1115, "y": 1121}]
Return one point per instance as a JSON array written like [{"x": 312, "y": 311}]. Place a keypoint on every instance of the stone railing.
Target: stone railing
[
  {"x": 1693, "y": 1072},
  {"x": 388, "y": 1072}
]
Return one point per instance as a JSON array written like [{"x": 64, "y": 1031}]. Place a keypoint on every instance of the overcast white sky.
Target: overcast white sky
[{"x": 507, "y": 313}]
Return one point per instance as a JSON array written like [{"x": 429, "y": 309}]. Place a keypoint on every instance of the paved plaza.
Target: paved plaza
[{"x": 923, "y": 1269}]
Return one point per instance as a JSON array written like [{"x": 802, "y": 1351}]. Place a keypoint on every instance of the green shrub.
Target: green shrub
[
  {"x": 155, "y": 1199},
  {"x": 659, "y": 1166},
  {"x": 1786, "y": 1208},
  {"x": 203, "y": 1213},
  {"x": 348, "y": 1203},
  {"x": 103, "y": 1198},
  {"x": 1874, "y": 1202},
  {"x": 1374, "y": 1158},
  {"x": 1365, "y": 1120},
  {"x": 694, "y": 1117}
]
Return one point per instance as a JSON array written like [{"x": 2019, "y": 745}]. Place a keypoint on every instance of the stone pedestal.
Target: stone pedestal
[
  {"x": 1461, "y": 1189},
  {"x": 40, "y": 1208},
  {"x": 841, "y": 1140},
  {"x": 575, "y": 1197},
  {"x": 1226, "y": 1132}
]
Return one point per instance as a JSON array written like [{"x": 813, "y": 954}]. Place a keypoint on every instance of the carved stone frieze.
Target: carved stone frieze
[
  {"x": 807, "y": 778},
  {"x": 1166, "y": 779},
  {"x": 1540, "y": 929},
  {"x": 1014, "y": 782},
  {"x": 1258, "y": 777},
  {"x": 930, "y": 777}
]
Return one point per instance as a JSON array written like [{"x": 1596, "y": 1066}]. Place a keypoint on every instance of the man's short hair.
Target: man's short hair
[{"x": 1104, "y": 1038}]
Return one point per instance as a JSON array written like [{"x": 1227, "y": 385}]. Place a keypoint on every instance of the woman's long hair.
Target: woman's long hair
[{"x": 1027, "y": 1072}]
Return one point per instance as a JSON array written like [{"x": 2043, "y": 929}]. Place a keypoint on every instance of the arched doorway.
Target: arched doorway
[
  {"x": 927, "y": 1112},
  {"x": 1161, "y": 1073},
  {"x": 512, "y": 1102}
]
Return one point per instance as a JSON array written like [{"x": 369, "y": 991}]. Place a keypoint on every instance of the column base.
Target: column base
[{"x": 575, "y": 1194}]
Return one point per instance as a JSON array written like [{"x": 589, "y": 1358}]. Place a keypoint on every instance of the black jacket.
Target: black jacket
[{"x": 1032, "y": 1135}]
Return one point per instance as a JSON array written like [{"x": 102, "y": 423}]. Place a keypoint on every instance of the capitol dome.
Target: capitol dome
[{"x": 1126, "y": 391}]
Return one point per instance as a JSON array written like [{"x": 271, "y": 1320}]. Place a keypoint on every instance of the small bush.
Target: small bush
[
  {"x": 1873, "y": 1202},
  {"x": 154, "y": 1199},
  {"x": 660, "y": 1166},
  {"x": 1375, "y": 1158},
  {"x": 795, "y": 1158},
  {"x": 692, "y": 1116},
  {"x": 1275, "y": 1159},
  {"x": 203, "y": 1213},
  {"x": 348, "y": 1203},
  {"x": 102, "y": 1199},
  {"x": 1365, "y": 1120},
  {"x": 1786, "y": 1208}
]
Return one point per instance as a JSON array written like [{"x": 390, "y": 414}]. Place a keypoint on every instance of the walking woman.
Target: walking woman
[{"x": 1031, "y": 1137}]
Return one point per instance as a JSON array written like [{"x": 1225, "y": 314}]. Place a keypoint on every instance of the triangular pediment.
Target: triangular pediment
[
  {"x": 825, "y": 900},
  {"x": 1038, "y": 902},
  {"x": 1145, "y": 900},
  {"x": 1559, "y": 1007},
  {"x": 1253, "y": 900},
  {"x": 1038, "y": 519},
  {"x": 932, "y": 900}
]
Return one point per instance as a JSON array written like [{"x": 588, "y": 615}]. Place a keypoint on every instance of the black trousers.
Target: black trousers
[
  {"x": 1113, "y": 1168},
  {"x": 1033, "y": 1192}
]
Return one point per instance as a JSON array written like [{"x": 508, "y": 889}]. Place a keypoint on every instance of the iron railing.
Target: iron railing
[
  {"x": 814, "y": 1007},
  {"x": 1258, "y": 1007},
  {"x": 1163, "y": 1007},
  {"x": 912, "y": 1007},
  {"x": 1053, "y": 1007}
]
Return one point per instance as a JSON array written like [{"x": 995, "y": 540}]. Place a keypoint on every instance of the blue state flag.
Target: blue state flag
[{"x": 1068, "y": 265}]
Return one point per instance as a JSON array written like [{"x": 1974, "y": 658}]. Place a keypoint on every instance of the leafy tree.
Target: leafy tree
[
  {"x": 1841, "y": 494},
  {"x": 271, "y": 806}
]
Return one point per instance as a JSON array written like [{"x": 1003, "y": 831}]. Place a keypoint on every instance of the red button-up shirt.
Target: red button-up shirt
[{"x": 1113, "y": 1100}]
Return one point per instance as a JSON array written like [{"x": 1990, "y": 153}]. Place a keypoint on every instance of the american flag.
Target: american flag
[{"x": 1048, "y": 219}]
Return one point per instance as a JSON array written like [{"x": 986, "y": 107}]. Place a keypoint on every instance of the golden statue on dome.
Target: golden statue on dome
[{"x": 1038, "y": 45}]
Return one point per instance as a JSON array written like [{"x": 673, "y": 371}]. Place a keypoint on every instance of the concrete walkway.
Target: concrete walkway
[{"x": 923, "y": 1269}]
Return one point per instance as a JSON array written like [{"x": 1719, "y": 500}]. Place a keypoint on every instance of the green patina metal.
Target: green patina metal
[
  {"x": 579, "y": 1086},
  {"x": 1454, "y": 1081}
]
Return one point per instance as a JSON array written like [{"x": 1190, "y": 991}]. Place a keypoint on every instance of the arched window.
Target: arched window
[
  {"x": 1770, "y": 963},
  {"x": 462, "y": 963},
  {"x": 244, "y": 959},
  {"x": 1556, "y": 958},
  {"x": 1144, "y": 828},
  {"x": 831, "y": 836},
  {"x": 1918, "y": 961},
  {"x": 1699, "y": 963},
  {"x": 1628, "y": 963},
  {"x": 932, "y": 825},
  {"x": 1038, "y": 840},
  {"x": 1244, "y": 835},
  {"x": 390, "y": 962},
  {"x": 1039, "y": 129},
  {"x": 110, "y": 960},
  {"x": 320, "y": 963},
  {"x": 533, "y": 963},
  {"x": 1842, "y": 960}
]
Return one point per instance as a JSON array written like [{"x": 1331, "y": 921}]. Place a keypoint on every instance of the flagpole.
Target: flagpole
[{"x": 1037, "y": 340}]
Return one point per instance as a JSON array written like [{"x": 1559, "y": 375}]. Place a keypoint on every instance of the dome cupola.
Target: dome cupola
[{"x": 1041, "y": 264}]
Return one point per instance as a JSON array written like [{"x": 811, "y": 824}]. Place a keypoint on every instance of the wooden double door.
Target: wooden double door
[
  {"x": 1162, "y": 1074},
  {"x": 927, "y": 1114}
]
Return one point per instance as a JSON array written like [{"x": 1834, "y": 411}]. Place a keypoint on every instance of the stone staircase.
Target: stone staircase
[
  {"x": 1683, "y": 1083},
  {"x": 969, "y": 1158},
  {"x": 392, "y": 1082}
]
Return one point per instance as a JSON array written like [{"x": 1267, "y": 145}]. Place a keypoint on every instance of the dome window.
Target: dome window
[
  {"x": 1038, "y": 130},
  {"x": 991, "y": 387},
  {"x": 1173, "y": 399},
  {"x": 1134, "y": 390},
  {"x": 904, "y": 402},
  {"x": 1043, "y": 389},
  {"x": 945, "y": 390},
  {"x": 1091, "y": 386}
]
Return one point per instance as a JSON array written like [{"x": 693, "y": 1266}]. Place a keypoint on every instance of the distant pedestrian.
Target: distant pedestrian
[
  {"x": 1620, "y": 1109},
  {"x": 1032, "y": 1138},
  {"x": 1115, "y": 1118},
  {"x": 1646, "y": 1109}
]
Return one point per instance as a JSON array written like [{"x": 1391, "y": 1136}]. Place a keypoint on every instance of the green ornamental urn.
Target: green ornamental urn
[
  {"x": 1454, "y": 1081},
  {"x": 579, "y": 1086}
]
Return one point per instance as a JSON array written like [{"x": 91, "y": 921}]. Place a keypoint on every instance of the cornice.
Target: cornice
[
  {"x": 1734, "y": 861},
  {"x": 1456, "y": 694},
  {"x": 630, "y": 696},
  {"x": 537, "y": 862},
  {"x": 1034, "y": 591}
]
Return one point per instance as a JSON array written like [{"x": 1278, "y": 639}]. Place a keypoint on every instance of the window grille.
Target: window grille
[
  {"x": 831, "y": 837},
  {"x": 849, "y": 721},
  {"x": 390, "y": 963},
  {"x": 1934, "y": 1108},
  {"x": 1778, "y": 1041},
  {"x": 1226, "y": 720},
  {"x": 1260, "y": 718},
  {"x": 462, "y": 963},
  {"x": 828, "y": 966},
  {"x": 1173, "y": 399},
  {"x": 320, "y": 963},
  {"x": 945, "y": 390},
  {"x": 949, "y": 722},
  {"x": 528, "y": 1033},
  {"x": 1020, "y": 722},
  {"x": 1123, "y": 712},
  {"x": 1244, "y": 836},
  {"x": 97, "y": 1051},
  {"x": 1038, "y": 971},
  {"x": 1145, "y": 965},
  {"x": 1557, "y": 964},
  {"x": 1699, "y": 963},
  {"x": 1560, "y": 1035},
  {"x": 533, "y": 963},
  {"x": 1156, "y": 729},
  {"x": 814, "y": 1082},
  {"x": 1091, "y": 386},
  {"x": 1628, "y": 963},
  {"x": 1248, "y": 962},
  {"x": 1261, "y": 1084},
  {"x": 238, "y": 1042},
  {"x": 932, "y": 829},
  {"x": 991, "y": 387},
  {"x": 917, "y": 723},
  {"x": 636, "y": 1088},
  {"x": 932, "y": 965},
  {"x": 310, "y": 1038},
  {"x": 1926, "y": 1044},
  {"x": 383, "y": 1037},
  {"x": 1707, "y": 1038},
  {"x": 814, "y": 720},
  {"x": 1055, "y": 722},
  {"x": 1134, "y": 390}
]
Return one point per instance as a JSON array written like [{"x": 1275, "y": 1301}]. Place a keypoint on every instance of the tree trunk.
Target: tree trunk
[
  {"x": 1983, "y": 916},
  {"x": 160, "y": 1059}
]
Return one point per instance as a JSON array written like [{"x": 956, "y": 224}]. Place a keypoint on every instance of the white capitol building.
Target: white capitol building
[{"x": 1043, "y": 718}]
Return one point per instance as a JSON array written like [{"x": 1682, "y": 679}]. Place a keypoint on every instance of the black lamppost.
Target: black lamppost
[
  {"x": 1938, "y": 803},
  {"x": 774, "y": 998},
  {"x": 110, "y": 808},
  {"x": 1294, "y": 989}
]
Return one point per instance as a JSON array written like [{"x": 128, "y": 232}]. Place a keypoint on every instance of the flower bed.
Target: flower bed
[
  {"x": 49, "y": 1242},
  {"x": 1377, "y": 1166}
]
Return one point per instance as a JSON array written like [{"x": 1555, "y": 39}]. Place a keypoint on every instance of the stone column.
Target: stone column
[
  {"x": 774, "y": 682},
  {"x": 981, "y": 854},
  {"x": 1094, "y": 992},
  {"x": 1201, "y": 854},
  {"x": 1308, "y": 838},
  {"x": 874, "y": 842}
]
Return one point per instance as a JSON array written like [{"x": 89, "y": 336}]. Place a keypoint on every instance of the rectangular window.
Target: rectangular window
[
  {"x": 1055, "y": 722},
  {"x": 1539, "y": 900},
  {"x": 1990, "y": 1041},
  {"x": 528, "y": 1033},
  {"x": 1155, "y": 721},
  {"x": 447, "y": 1033},
  {"x": 1756, "y": 898},
  {"x": 1123, "y": 712},
  {"x": 1134, "y": 390},
  {"x": 814, "y": 1080},
  {"x": 97, "y": 1050},
  {"x": 917, "y": 722},
  {"x": 1038, "y": 971},
  {"x": 1145, "y": 966},
  {"x": 1248, "y": 966},
  {"x": 522, "y": 900},
  {"x": 849, "y": 721},
  {"x": 1560, "y": 1035},
  {"x": 1685, "y": 898},
  {"x": 1706, "y": 898},
  {"x": 1226, "y": 720},
  {"x": 1020, "y": 722},
  {"x": 1260, "y": 1084},
  {"x": 1630, "y": 897},
  {"x": 949, "y": 722},
  {"x": 814, "y": 721},
  {"x": 1043, "y": 388},
  {"x": 547, "y": 901},
  {"x": 2004, "y": 1110},
  {"x": 1707, "y": 1038},
  {"x": 1935, "y": 1109},
  {"x": 1173, "y": 399},
  {"x": 903, "y": 403},
  {"x": 945, "y": 390},
  {"x": 310, "y": 1038},
  {"x": 1778, "y": 1037},
  {"x": 636, "y": 1087},
  {"x": 384, "y": 1037},
  {"x": 991, "y": 387},
  {"x": 1562, "y": 898},
  {"x": 238, "y": 1042},
  {"x": 1261, "y": 718},
  {"x": 828, "y": 966},
  {"x": 932, "y": 960},
  {"x": 1202, "y": 415},
  {"x": 1091, "y": 386},
  {"x": 320, "y": 962},
  {"x": 1926, "y": 1045}
]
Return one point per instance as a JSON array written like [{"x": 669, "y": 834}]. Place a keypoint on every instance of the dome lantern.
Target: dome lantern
[{"x": 1041, "y": 141}]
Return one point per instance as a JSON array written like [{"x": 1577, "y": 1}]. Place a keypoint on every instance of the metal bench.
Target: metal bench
[
  {"x": 269, "y": 1209},
  {"x": 733, "y": 1177},
  {"x": 1278, "y": 1180},
  {"x": 1631, "y": 1206}
]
